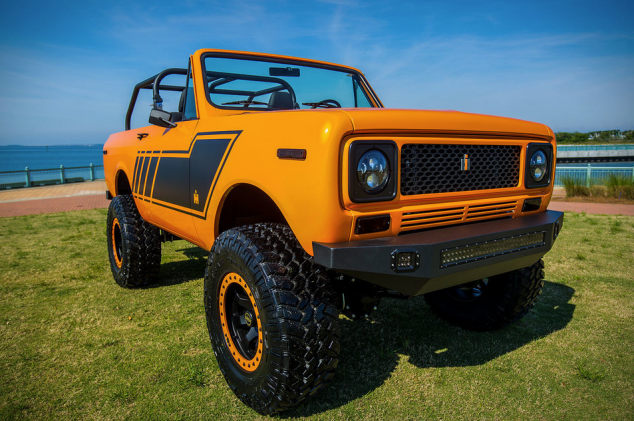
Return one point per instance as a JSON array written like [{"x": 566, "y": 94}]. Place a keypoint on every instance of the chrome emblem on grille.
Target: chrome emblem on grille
[{"x": 465, "y": 163}]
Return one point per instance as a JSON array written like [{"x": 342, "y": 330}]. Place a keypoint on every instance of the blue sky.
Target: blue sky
[{"x": 68, "y": 67}]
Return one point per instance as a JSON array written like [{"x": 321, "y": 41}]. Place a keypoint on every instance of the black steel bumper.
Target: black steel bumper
[{"x": 444, "y": 257}]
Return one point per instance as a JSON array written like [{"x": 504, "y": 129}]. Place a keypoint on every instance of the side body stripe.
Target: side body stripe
[{"x": 184, "y": 180}]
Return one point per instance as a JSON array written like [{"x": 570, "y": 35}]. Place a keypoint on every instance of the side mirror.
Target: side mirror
[{"x": 161, "y": 118}]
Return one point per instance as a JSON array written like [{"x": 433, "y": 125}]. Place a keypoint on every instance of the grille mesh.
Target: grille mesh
[{"x": 427, "y": 169}]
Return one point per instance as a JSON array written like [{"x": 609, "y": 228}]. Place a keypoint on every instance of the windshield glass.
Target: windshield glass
[{"x": 267, "y": 85}]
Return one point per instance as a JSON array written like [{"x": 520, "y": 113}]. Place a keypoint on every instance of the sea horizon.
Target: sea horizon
[{"x": 18, "y": 157}]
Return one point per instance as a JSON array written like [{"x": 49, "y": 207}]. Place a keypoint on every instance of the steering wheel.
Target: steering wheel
[{"x": 326, "y": 103}]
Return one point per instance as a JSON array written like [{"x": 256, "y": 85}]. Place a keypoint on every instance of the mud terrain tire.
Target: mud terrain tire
[
  {"x": 134, "y": 246},
  {"x": 287, "y": 347},
  {"x": 490, "y": 304}
]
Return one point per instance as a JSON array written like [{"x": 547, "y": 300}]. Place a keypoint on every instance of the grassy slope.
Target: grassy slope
[{"x": 73, "y": 345}]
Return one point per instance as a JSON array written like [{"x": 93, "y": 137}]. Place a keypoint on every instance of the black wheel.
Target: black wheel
[
  {"x": 490, "y": 303},
  {"x": 272, "y": 327},
  {"x": 134, "y": 246}
]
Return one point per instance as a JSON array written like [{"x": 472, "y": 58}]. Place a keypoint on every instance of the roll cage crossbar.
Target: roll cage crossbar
[
  {"x": 220, "y": 78},
  {"x": 216, "y": 79},
  {"x": 154, "y": 83}
]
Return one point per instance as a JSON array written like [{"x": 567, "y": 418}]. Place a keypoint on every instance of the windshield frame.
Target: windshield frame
[{"x": 363, "y": 85}]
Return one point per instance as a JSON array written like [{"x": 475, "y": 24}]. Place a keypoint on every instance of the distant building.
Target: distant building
[{"x": 610, "y": 134}]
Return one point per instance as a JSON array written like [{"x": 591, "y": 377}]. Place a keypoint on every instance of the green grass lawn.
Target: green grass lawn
[{"x": 74, "y": 345}]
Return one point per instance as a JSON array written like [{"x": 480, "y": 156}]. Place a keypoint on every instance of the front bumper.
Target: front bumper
[{"x": 444, "y": 257}]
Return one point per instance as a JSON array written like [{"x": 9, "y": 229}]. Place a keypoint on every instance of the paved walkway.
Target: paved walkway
[
  {"x": 594, "y": 208},
  {"x": 51, "y": 199},
  {"x": 92, "y": 195}
]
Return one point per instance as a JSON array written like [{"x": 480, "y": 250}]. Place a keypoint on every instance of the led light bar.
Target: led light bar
[{"x": 487, "y": 249}]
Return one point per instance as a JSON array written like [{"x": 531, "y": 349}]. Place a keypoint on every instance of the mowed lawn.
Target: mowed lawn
[{"x": 74, "y": 345}]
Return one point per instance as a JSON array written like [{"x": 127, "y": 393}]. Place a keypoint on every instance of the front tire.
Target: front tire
[
  {"x": 490, "y": 303},
  {"x": 134, "y": 246},
  {"x": 272, "y": 327}
]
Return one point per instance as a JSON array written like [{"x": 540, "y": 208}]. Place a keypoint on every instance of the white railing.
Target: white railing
[
  {"x": 590, "y": 175},
  {"x": 49, "y": 176}
]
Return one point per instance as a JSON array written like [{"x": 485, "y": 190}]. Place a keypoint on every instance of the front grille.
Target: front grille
[
  {"x": 446, "y": 168},
  {"x": 457, "y": 215}
]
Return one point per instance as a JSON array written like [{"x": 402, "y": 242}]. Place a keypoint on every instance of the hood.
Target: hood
[{"x": 384, "y": 120}]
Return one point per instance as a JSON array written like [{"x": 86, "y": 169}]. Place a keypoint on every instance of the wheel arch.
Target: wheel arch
[
  {"x": 246, "y": 204},
  {"x": 122, "y": 183}
]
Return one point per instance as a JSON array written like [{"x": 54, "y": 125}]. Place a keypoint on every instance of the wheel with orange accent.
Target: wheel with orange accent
[
  {"x": 272, "y": 326},
  {"x": 134, "y": 246}
]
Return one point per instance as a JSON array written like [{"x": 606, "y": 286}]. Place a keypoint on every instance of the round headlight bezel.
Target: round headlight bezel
[
  {"x": 538, "y": 162},
  {"x": 358, "y": 148},
  {"x": 548, "y": 168},
  {"x": 373, "y": 166}
]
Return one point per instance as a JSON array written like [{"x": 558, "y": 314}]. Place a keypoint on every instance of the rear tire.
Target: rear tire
[
  {"x": 134, "y": 246},
  {"x": 272, "y": 327},
  {"x": 490, "y": 303}
]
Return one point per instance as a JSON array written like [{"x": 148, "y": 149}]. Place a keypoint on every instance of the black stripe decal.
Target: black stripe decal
[
  {"x": 134, "y": 175},
  {"x": 136, "y": 164},
  {"x": 177, "y": 210},
  {"x": 150, "y": 176},
  {"x": 236, "y": 132},
  {"x": 136, "y": 182},
  {"x": 217, "y": 178},
  {"x": 203, "y": 166},
  {"x": 143, "y": 175},
  {"x": 200, "y": 166},
  {"x": 172, "y": 180}
]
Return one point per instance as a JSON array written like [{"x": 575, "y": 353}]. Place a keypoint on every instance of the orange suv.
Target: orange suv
[{"x": 314, "y": 200}]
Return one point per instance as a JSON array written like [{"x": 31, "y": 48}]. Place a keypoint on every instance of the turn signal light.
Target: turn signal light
[
  {"x": 532, "y": 204},
  {"x": 370, "y": 224}
]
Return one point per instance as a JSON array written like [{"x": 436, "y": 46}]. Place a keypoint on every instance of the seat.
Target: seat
[{"x": 281, "y": 101}]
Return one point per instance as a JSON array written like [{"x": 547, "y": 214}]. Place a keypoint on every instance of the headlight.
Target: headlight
[
  {"x": 538, "y": 166},
  {"x": 373, "y": 171}
]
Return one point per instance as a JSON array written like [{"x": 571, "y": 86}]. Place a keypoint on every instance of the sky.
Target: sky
[{"x": 67, "y": 68}]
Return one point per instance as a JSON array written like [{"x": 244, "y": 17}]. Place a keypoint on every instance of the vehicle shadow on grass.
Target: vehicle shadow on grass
[
  {"x": 370, "y": 350},
  {"x": 182, "y": 271}
]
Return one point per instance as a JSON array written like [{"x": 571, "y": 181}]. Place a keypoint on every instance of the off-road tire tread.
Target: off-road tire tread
[
  {"x": 141, "y": 243},
  {"x": 507, "y": 298},
  {"x": 303, "y": 330}
]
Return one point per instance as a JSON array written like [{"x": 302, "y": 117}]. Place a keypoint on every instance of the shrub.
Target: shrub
[
  {"x": 574, "y": 186},
  {"x": 598, "y": 190},
  {"x": 620, "y": 186}
]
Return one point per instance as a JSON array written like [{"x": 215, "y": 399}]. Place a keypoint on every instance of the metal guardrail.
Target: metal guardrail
[
  {"x": 50, "y": 176},
  {"x": 578, "y": 148},
  {"x": 590, "y": 175},
  {"x": 62, "y": 175}
]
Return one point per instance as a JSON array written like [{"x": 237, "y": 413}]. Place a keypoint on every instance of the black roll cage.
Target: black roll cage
[
  {"x": 154, "y": 83},
  {"x": 220, "y": 78},
  {"x": 217, "y": 79}
]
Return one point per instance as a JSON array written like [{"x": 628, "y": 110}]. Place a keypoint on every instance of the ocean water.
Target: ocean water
[{"x": 14, "y": 158}]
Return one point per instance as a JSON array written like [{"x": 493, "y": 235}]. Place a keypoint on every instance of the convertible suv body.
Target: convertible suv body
[{"x": 314, "y": 199}]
